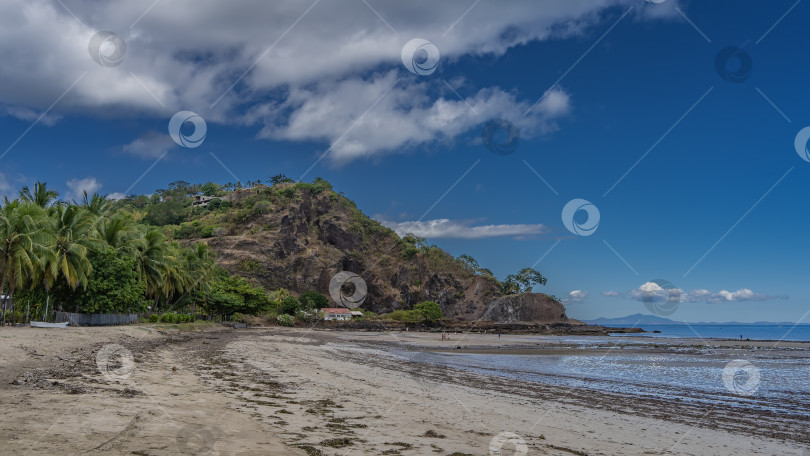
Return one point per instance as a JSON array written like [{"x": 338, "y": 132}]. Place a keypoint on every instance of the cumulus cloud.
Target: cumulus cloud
[
  {"x": 297, "y": 73},
  {"x": 576, "y": 296},
  {"x": 653, "y": 290},
  {"x": 115, "y": 196},
  {"x": 79, "y": 186},
  {"x": 347, "y": 114},
  {"x": 445, "y": 228}
]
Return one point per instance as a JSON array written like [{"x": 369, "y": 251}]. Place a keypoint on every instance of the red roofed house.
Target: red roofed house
[{"x": 332, "y": 313}]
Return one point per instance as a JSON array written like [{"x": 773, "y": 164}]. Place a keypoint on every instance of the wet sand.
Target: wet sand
[{"x": 295, "y": 391}]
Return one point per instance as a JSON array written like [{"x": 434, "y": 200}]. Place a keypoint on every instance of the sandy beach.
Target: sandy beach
[{"x": 153, "y": 390}]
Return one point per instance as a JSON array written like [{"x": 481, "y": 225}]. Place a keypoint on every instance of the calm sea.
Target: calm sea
[{"x": 753, "y": 332}]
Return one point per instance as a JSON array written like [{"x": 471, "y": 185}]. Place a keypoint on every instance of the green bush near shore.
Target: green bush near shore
[
  {"x": 290, "y": 305},
  {"x": 171, "y": 317},
  {"x": 285, "y": 320},
  {"x": 424, "y": 312}
]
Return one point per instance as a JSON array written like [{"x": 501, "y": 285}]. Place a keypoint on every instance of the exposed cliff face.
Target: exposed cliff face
[
  {"x": 525, "y": 307},
  {"x": 305, "y": 239}
]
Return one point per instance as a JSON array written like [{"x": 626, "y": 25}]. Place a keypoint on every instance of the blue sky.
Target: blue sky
[{"x": 717, "y": 206}]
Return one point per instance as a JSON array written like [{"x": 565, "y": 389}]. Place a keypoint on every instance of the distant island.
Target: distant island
[{"x": 651, "y": 320}]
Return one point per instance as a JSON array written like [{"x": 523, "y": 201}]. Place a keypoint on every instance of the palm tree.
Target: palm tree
[
  {"x": 23, "y": 236},
  {"x": 198, "y": 265},
  {"x": 121, "y": 233},
  {"x": 176, "y": 278},
  {"x": 42, "y": 195},
  {"x": 97, "y": 205},
  {"x": 74, "y": 230},
  {"x": 152, "y": 262}
]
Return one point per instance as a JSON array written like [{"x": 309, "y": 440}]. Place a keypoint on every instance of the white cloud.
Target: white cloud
[
  {"x": 652, "y": 289},
  {"x": 115, "y": 196},
  {"x": 311, "y": 83},
  {"x": 334, "y": 112},
  {"x": 444, "y": 228},
  {"x": 28, "y": 114},
  {"x": 576, "y": 296},
  {"x": 149, "y": 145},
  {"x": 78, "y": 186}
]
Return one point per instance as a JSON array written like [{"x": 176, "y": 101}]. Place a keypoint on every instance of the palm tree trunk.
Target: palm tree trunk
[{"x": 11, "y": 297}]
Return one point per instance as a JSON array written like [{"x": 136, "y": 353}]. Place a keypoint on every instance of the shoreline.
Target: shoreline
[{"x": 301, "y": 391}]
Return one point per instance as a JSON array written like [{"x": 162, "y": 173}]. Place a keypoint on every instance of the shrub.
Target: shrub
[
  {"x": 269, "y": 315},
  {"x": 290, "y": 305},
  {"x": 285, "y": 320},
  {"x": 154, "y": 318},
  {"x": 304, "y": 316},
  {"x": 407, "y": 316},
  {"x": 207, "y": 231},
  {"x": 429, "y": 311},
  {"x": 368, "y": 315},
  {"x": 171, "y": 317},
  {"x": 287, "y": 192},
  {"x": 313, "y": 300}
]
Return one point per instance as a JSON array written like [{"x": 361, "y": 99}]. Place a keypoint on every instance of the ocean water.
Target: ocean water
[
  {"x": 780, "y": 385},
  {"x": 706, "y": 331}
]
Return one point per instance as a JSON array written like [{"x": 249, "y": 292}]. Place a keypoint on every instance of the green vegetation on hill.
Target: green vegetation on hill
[
  {"x": 253, "y": 208},
  {"x": 94, "y": 256},
  {"x": 151, "y": 252}
]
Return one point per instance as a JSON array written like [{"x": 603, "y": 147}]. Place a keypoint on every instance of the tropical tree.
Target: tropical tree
[
  {"x": 23, "y": 240},
  {"x": 198, "y": 267},
  {"x": 311, "y": 299},
  {"x": 96, "y": 204},
  {"x": 279, "y": 179},
  {"x": 174, "y": 278},
  {"x": 42, "y": 196},
  {"x": 121, "y": 233},
  {"x": 74, "y": 233},
  {"x": 522, "y": 282},
  {"x": 151, "y": 261}
]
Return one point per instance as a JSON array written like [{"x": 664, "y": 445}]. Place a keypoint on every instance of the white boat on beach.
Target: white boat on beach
[{"x": 42, "y": 324}]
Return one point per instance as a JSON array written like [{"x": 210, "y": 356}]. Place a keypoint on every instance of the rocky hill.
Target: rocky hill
[{"x": 298, "y": 236}]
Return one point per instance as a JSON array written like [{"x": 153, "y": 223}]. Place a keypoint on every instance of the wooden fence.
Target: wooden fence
[{"x": 77, "y": 319}]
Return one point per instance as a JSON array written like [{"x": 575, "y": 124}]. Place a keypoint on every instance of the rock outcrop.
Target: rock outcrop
[
  {"x": 534, "y": 307},
  {"x": 309, "y": 236}
]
